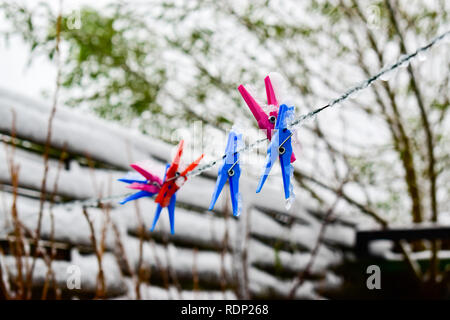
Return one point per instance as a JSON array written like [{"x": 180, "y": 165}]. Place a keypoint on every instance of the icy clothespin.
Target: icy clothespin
[
  {"x": 264, "y": 122},
  {"x": 166, "y": 189},
  {"x": 230, "y": 171},
  {"x": 170, "y": 208},
  {"x": 280, "y": 147},
  {"x": 147, "y": 183},
  {"x": 173, "y": 180}
]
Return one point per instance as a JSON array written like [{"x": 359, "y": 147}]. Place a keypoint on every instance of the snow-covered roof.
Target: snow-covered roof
[{"x": 212, "y": 255}]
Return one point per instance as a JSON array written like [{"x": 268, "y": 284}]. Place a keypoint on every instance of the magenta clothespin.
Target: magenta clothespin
[
  {"x": 147, "y": 175},
  {"x": 149, "y": 185},
  {"x": 261, "y": 117},
  {"x": 264, "y": 122},
  {"x": 271, "y": 99}
]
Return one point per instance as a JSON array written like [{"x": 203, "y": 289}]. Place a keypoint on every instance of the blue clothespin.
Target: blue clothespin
[
  {"x": 170, "y": 208},
  {"x": 231, "y": 171},
  {"x": 281, "y": 146},
  {"x": 139, "y": 182}
]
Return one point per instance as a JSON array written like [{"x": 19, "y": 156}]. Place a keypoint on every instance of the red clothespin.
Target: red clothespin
[{"x": 174, "y": 179}]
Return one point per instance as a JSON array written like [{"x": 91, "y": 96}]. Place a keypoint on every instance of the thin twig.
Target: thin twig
[
  {"x": 100, "y": 290},
  {"x": 50, "y": 273},
  {"x": 47, "y": 148},
  {"x": 301, "y": 277},
  {"x": 172, "y": 271},
  {"x": 195, "y": 278},
  {"x": 141, "y": 232},
  {"x": 3, "y": 286},
  {"x": 164, "y": 273},
  {"x": 18, "y": 242},
  {"x": 223, "y": 253},
  {"x": 432, "y": 174}
]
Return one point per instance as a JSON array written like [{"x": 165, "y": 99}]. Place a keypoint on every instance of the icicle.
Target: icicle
[
  {"x": 239, "y": 210},
  {"x": 291, "y": 199}
]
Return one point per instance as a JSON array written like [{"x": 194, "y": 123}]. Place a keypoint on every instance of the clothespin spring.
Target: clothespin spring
[
  {"x": 177, "y": 174},
  {"x": 231, "y": 171},
  {"x": 281, "y": 149},
  {"x": 154, "y": 183}
]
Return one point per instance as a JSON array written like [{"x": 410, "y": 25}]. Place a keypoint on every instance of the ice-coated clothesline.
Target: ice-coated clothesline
[
  {"x": 300, "y": 120},
  {"x": 295, "y": 124}
]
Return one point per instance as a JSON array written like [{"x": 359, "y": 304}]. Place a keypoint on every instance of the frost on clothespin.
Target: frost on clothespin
[
  {"x": 291, "y": 199},
  {"x": 281, "y": 147},
  {"x": 173, "y": 180},
  {"x": 265, "y": 121},
  {"x": 239, "y": 205},
  {"x": 230, "y": 171},
  {"x": 150, "y": 184}
]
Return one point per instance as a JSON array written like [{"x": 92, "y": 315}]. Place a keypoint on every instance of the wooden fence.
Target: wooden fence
[{"x": 211, "y": 256}]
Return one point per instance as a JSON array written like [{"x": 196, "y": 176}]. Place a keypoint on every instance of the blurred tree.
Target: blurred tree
[{"x": 388, "y": 147}]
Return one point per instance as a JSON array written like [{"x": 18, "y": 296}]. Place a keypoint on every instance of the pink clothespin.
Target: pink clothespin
[
  {"x": 264, "y": 122},
  {"x": 165, "y": 190},
  {"x": 147, "y": 183}
]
